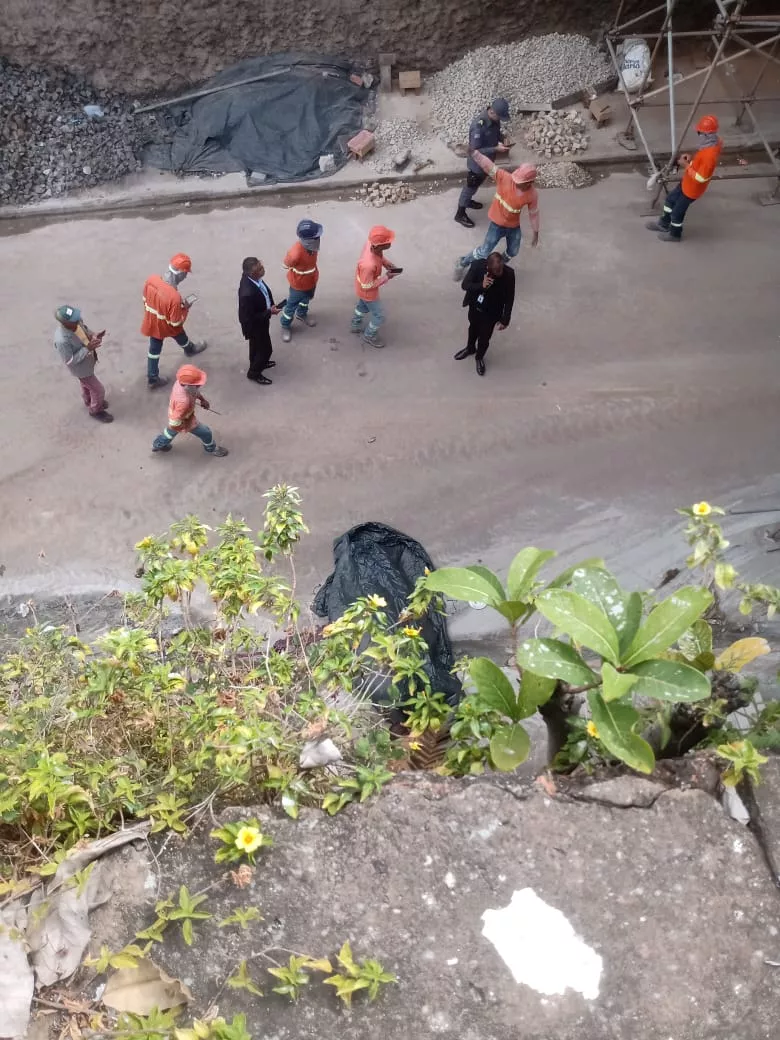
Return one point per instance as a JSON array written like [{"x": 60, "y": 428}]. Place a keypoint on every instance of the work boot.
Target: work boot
[
  {"x": 194, "y": 348},
  {"x": 480, "y": 367},
  {"x": 462, "y": 217},
  {"x": 155, "y": 384},
  {"x": 666, "y": 237},
  {"x": 655, "y": 225},
  {"x": 474, "y": 205},
  {"x": 466, "y": 352},
  {"x": 103, "y": 416},
  {"x": 286, "y": 335},
  {"x": 373, "y": 341},
  {"x": 219, "y": 451},
  {"x": 306, "y": 319},
  {"x": 164, "y": 447}
]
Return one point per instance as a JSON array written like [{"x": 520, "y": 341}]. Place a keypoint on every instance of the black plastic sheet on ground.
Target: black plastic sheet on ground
[
  {"x": 374, "y": 559},
  {"x": 305, "y": 107}
]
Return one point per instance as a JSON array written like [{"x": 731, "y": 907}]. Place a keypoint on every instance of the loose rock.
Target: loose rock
[
  {"x": 385, "y": 194},
  {"x": 557, "y": 133},
  {"x": 563, "y": 175}
]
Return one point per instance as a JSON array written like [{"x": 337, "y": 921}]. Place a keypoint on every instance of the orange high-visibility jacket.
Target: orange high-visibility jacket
[
  {"x": 181, "y": 409},
  {"x": 301, "y": 268},
  {"x": 697, "y": 177},
  {"x": 509, "y": 201},
  {"x": 164, "y": 310},
  {"x": 368, "y": 276}
]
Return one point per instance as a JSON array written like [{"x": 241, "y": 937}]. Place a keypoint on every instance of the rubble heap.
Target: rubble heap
[
  {"x": 562, "y": 175},
  {"x": 394, "y": 136},
  {"x": 385, "y": 194},
  {"x": 50, "y": 145},
  {"x": 537, "y": 70},
  {"x": 557, "y": 133}
]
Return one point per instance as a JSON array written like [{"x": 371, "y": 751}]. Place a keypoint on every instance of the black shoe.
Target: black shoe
[
  {"x": 167, "y": 447},
  {"x": 474, "y": 205},
  {"x": 155, "y": 384},
  {"x": 480, "y": 367},
  {"x": 466, "y": 352},
  {"x": 271, "y": 364},
  {"x": 261, "y": 380},
  {"x": 103, "y": 416},
  {"x": 462, "y": 217}
]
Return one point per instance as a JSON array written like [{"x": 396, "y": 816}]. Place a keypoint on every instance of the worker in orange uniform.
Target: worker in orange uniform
[
  {"x": 165, "y": 311},
  {"x": 697, "y": 175},
  {"x": 300, "y": 263},
  {"x": 186, "y": 393},
  {"x": 368, "y": 281},
  {"x": 514, "y": 191}
]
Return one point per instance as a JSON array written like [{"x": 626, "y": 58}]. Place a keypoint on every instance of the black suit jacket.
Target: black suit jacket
[
  {"x": 499, "y": 298},
  {"x": 253, "y": 312}
]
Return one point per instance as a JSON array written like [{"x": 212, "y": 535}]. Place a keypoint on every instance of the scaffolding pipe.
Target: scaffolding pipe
[
  {"x": 670, "y": 73},
  {"x": 756, "y": 85},
  {"x": 634, "y": 118}
]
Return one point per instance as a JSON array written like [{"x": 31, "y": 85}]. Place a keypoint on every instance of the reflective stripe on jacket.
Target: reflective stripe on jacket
[
  {"x": 697, "y": 177},
  {"x": 508, "y": 202},
  {"x": 368, "y": 276},
  {"x": 181, "y": 409},
  {"x": 301, "y": 268},
  {"x": 164, "y": 310}
]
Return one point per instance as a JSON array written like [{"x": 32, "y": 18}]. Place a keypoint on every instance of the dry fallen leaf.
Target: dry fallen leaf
[
  {"x": 142, "y": 988},
  {"x": 547, "y": 785},
  {"x": 243, "y": 876}
]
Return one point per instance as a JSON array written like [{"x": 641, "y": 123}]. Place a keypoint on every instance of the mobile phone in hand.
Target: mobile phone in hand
[
  {"x": 281, "y": 303},
  {"x": 189, "y": 300},
  {"x": 396, "y": 270}
]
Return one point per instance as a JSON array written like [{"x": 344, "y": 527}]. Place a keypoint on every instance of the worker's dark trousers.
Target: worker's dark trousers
[
  {"x": 473, "y": 182},
  {"x": 153, "y": 356},
  {"x": 480, "y": 331},
  {"x": 675, "y": 208},
  {"x": 260, "y": 350}
]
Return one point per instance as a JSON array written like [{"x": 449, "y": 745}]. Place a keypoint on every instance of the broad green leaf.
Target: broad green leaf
[
  {"x": 513, "y": 610},
  {"x": 601, "y": 589},
  {"x": 552, "y": 659},
  {"x": 476, "y": 584},
  {"x": 523, "y": 570},
  {"x": 493, "y": 688},
  {"x": 579, "y": 619},
  {"x": 696, "y": 640},
  {"x": 632, "y": 621},
  {"x": 615, "y": 684},
  {"x": 670, "y": 681},
  {"x": 615, "y": 726},
  {"x": 534, "y": 690},
  {"x": 564, "y": 578},
  {"x": 509, "y": 746},
  {"x": 735, "y": 657},
  {"x": 666, "y": 623}
]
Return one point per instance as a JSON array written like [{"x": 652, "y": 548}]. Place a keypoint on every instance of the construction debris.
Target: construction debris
[
  {"x": 557, "y": 133},
  {"x": 537, "y": 70},
  {"x": 385, "y": 194},
  {"x": 394, "y": 137},
  {"x": 563, "y": 175}
]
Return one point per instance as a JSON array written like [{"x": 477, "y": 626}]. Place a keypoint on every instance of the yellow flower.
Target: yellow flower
[
  {"x": 249, "y": 839},
  {"x": 591, "y": 728},
  {"x": 702, "y": 509},
  {"x": 411, "y": 632}
]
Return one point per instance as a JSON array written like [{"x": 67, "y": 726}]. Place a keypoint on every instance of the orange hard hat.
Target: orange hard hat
[
  {"x": 181, "y": 262},
  {"x": 190, "y": 375},
  {"x": 707, "y": 125},
  {"x": 381, "y": 236},
  {"x": 524, "y": 173}
]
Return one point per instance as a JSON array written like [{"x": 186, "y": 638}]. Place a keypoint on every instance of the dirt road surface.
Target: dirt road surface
[{"x": 635, "y": 377}]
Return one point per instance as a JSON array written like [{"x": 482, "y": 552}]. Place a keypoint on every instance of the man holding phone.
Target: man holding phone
[
  {"x": 165, "y": 311},
  {"x": 368, "y": 280},
  {"x": 490, "y": 294},
  {"x": 255, "y": 309},
  {"x": 77, "y": 346}
]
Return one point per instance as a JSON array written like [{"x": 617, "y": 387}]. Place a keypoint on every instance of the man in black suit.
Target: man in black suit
[
  {"x": 490, "y": 293},
  {"x": 255, "y": 308}
]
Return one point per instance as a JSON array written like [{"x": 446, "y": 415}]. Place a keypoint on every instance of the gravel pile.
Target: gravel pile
[
  {"x": 385, "y": 194},
  {"x": 537, "y": 70},
  {"x": 391, "y": 137},
  {"x": 557, "y": 133},
  {"x": 562, "y": 175},
  {"x": 50, "y": 146}
]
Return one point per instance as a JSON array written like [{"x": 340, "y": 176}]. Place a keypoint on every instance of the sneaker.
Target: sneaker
[
  {"x": 103, "y": 416},
  {"x": 195, "y": 348},
  {"x": 306, "y": 319},
  {"x": 219, "y": 452},
  {"x": 155, "y": 384},
  {"x": 373, "y": 341}
]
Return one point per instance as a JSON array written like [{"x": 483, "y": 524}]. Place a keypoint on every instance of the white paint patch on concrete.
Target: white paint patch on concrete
[{"x": 540, "y": 947}]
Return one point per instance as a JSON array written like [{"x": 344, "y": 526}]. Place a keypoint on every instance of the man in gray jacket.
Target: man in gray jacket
[{"x": 77, "y": 346}]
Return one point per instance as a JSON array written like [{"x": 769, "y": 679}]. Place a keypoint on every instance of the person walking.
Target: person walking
[
  {"x": 485, "y": 136},
  {"x": 696, "y": 179},
  {"x": 489, "y": 286},
  {"x": 78, "y": 346},
  {"x": 368, "y": 281},
  {"x": 165, "y": 311},
  {"x": 300, "y": 263},
  {"x": 514, "y": 191},
  {"x": 255, "y": 308},
  {"x": 186, "y": 393}
]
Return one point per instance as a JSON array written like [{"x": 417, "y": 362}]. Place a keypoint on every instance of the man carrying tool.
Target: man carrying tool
[
  {"x": 300, "y": 263},
  {"x": 514, "y": 191},
  {"x": 368, "y": 280},
  {"x": 697, "y": 175},
  {"x": 181, "y": 413},
  {"x": 77, "y": 346},
  {"x": 486, "y": 136},
  {"x": 165, "y": 312}
]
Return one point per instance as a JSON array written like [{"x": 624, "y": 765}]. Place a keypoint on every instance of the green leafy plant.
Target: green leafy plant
[
  {"x": 242, "y": 916},
  {"x": 293, "y": 976},
  {"x": 367, "y": 975},
  {"x": 186, "y": 912},
  {"x": 744, "y": 762},
  {"x": 240, "y": 841},
  {"x": 241, "y": 979}
]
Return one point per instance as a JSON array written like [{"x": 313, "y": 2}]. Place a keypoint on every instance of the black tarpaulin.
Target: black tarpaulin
[
  {"x": 374, "y": 559},
  {"x": 306, "y": 107}
]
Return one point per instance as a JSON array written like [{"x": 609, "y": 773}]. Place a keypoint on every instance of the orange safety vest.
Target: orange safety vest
[
  {"x": 508, "y": 202},
  {"x": 301, "y": 268},
  {"x": 697, "y": 177},
  {"x": 164, "y": 310},
  {"x": 181, "y": 410},
  {"x": 369, "y": 274}
]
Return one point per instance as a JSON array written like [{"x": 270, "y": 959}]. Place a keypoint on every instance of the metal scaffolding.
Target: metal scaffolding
[{"x": 731, "y": 27}]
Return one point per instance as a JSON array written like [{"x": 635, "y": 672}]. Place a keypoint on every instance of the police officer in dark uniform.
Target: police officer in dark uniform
[{"x": 486, "y": 136}]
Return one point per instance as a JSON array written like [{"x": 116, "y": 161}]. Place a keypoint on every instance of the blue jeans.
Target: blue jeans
[
  {"x": 298, "y": 301},
  {"x": 201, "y": 431},
  {"x": 375, "y": 309},
  {"x": 675, "y": 208},
  {"x": 155, "y": 349},
  {"x": 493, "y": 236}
]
